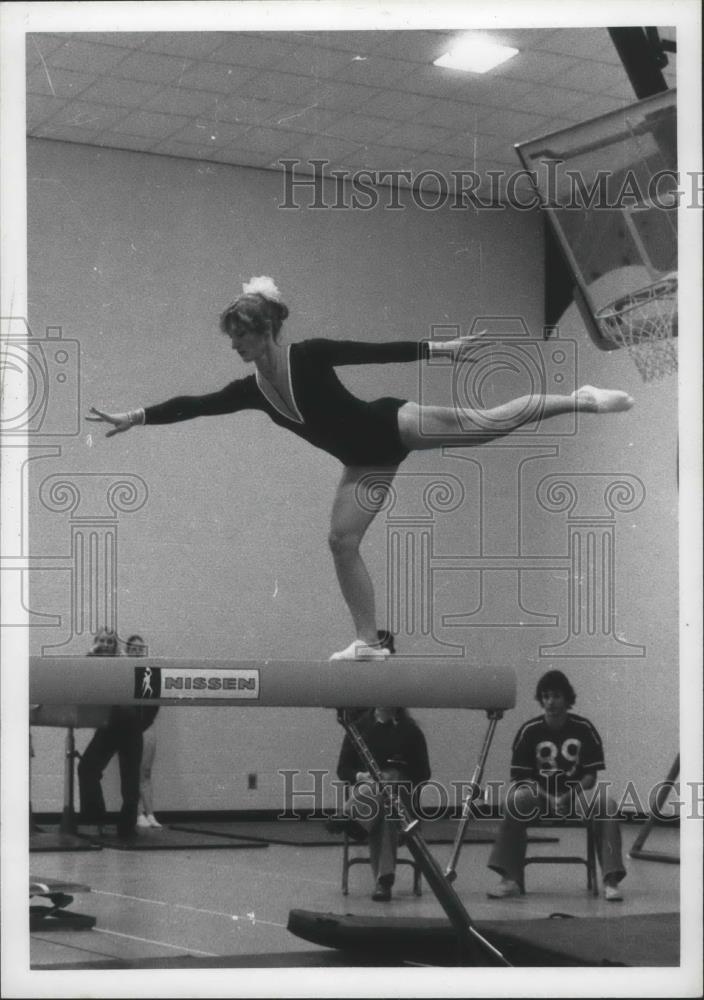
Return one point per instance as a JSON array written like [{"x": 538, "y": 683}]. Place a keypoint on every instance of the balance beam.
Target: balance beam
[{"x": 403, "y": 682}]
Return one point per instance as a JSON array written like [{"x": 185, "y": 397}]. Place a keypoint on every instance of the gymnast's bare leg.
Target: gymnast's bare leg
[
  {"x": 423, "y": 427},
  {"x": 354, "y": 508}
]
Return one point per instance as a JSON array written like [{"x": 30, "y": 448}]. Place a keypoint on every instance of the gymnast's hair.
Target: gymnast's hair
[
  {"x": 555, "y": 680},
  {"x": 258, "y": 307}
]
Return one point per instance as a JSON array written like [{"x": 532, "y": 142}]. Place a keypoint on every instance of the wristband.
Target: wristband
[{"x": 135, "y": 417}]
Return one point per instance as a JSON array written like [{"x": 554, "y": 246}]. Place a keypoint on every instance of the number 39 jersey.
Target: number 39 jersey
[{"x": 556, "y": 757}]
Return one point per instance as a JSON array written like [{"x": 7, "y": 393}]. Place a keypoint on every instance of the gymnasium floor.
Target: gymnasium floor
[{"x": 230, "y": 907}]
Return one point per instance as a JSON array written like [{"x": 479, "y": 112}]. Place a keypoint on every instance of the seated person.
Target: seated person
[
  {"x": 554, "y": 764},
  {"x": 398, "y": 746},
  {"x": 122, "y": 735}
]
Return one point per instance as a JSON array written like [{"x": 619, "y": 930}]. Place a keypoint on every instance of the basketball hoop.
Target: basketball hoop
[{"x": 646, "y": 323}]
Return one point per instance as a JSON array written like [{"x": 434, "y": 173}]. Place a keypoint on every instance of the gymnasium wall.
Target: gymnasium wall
[{"x": 220, "y": 536}]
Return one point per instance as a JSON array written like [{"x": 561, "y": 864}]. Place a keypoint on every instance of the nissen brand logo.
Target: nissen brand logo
[{"x": 181, "y": 682}]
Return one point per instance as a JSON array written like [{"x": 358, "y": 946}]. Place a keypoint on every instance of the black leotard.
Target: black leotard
[{"x": 354, "y": 431}]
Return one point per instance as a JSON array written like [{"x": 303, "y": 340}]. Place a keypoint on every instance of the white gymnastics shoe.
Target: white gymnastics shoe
[
  {"x": 153, "y": 821},
  {"x": 603, "y": 400},
  {"x": 142, "y": 821},
  {"x": 360, "y": 650},
  {"x": 506, "y": 889}
]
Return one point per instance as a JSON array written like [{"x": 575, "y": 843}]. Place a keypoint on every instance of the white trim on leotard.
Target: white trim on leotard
[{"x": 298, "y": 419}]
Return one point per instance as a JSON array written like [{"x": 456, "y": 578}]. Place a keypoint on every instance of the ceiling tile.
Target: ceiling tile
[
  {"x": 411, "y": 135},
  {"x": 362, "y": 42},
  {"x": 171, "y": 100},
  {"x": 255, "y": 97},
  {"x": 119, "y": 39},
  {"x": 584, "y": 43},
  {"x": 440, "y": 163},
  {"x": 123, "y": 93},
  {"x": 306, "y": 119},
  {"x": 371, "y": 71},
  {"x": 309, "y": 60},
  {"x": 192, "y": 44},
  {"x": 470, "y": 145},
  {"x": 150, "y": 124},
  {"x": 359, "y": 128},
  {"x": 38, "y": 46},
  {"x": 231, "y": 108},
  {"x": 342, "y": 96},
  {"x": 536, "y": 67},
  {"x": 216, "y": 77},
  {"x": 511, "y": 123},
  {"x": 276, "y": 142},
  {"x": 61, "y": 83},
  {"x": 41, "y": 108},
  {"x": 450, "y": 114},
  {"x": 414, "y": 46},
  {"x": 87, "y": 115},
  {"x": 285, "y": 87},
  {"x": 380, "y": 158},
  {"x": 319, "y": 147},
  {"x": 209, "y": 133},
  {"x": 85, "y": 57},
  {"x": 246, "y": 49},
  {"x": 397, "y": 105},
  {"x": 434, "y": 81},
  {"x": 554, "y": 101},
  {"x": 592, "y": 77},
  {"x": 152, "y": 67}
]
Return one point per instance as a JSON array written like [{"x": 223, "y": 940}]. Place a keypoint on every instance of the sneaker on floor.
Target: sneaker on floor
[
  {"x": 382, "y": 892},
  {"x": 360, "y": 650},
  {"x": 506, "y": 889},
  {"x": 153, "y": 822},
  {"x": 612, "y": 893}
]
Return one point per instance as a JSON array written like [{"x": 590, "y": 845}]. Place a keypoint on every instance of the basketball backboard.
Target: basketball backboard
[{"x": 610, "y": 188}]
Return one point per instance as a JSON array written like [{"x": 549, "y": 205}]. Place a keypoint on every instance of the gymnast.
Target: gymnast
[{"x": 297, "y": 387}]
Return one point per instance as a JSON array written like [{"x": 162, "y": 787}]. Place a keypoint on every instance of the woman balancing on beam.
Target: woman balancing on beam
[{"x": 296, "y": 385}]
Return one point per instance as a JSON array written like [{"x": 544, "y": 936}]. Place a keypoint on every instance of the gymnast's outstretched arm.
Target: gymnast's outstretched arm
[
  {"x": 358, "y": 352},
  {"x": 236, "y": 396}
]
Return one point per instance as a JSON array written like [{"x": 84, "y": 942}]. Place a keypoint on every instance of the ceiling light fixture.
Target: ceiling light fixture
[{"x": 475, "y": 55}]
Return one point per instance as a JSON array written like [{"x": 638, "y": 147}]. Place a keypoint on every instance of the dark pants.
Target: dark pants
[{"x": 122, "y": 736}]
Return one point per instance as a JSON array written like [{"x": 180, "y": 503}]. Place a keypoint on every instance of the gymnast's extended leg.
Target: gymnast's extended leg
[
  {"x": 423, "y": 427},
  {"x": 355, "y": 506}
]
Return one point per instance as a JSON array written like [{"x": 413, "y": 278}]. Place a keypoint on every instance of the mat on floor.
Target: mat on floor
[
  {"x": 48, "y": 839},
  {"x": 312, "y": 833},
  {"x": 170, "y": 839},
  {"x": 266, "y": 960},
  {"x": 650, "y": 939},
  {"x": 54, "y": 913}
]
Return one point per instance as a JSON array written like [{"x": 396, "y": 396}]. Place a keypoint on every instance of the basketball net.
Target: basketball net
[{"x": 645, "y": 322}]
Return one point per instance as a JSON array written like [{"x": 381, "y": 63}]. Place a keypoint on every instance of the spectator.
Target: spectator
[
  {"x": 121, "y": 735},
  {"x": 398, "y": 745},
  {"x": 555, "y": 759}
]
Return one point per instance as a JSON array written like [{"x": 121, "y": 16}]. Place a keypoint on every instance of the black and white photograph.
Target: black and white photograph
[{"x": 351, "y": 499}]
